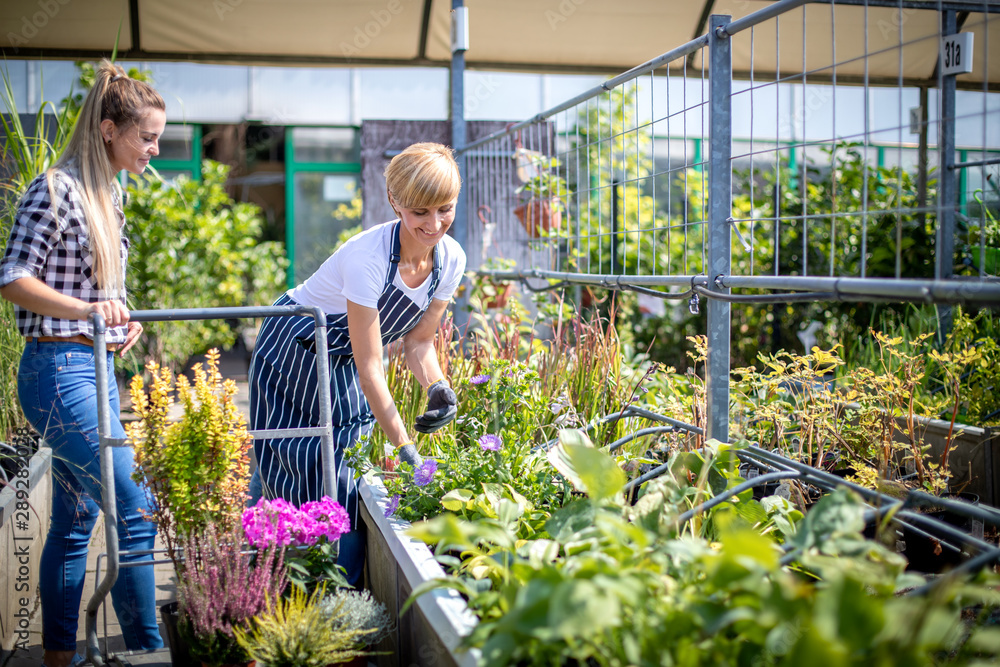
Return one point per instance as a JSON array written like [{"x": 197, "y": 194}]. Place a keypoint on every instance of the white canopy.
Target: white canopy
[{"x": 876, "y": 43}]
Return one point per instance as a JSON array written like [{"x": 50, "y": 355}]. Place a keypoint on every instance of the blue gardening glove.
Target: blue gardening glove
[
  {"x": 442, "y": 406},
  {"x": 408, "y": 454}
]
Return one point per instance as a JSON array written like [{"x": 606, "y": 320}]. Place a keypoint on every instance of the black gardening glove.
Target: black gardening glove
[
  {"x": 408, "y": 454},
  {"x": 442, "y": 406}
]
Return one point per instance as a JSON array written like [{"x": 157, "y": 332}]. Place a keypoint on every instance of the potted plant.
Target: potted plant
[
  {"x": 496, "y": 292},
  {"x": 196, "y": 469},
  {"x": 308, "y": 536},
  {"x": 222, "y": 589},
  {"x": 542, "y": 199},
  {"x": 299, "y": 631}
]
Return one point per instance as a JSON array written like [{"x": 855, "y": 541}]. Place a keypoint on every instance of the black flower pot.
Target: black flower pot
[
  {"x": 180, "y": 654},
  {"x": 928, "y": 555}
]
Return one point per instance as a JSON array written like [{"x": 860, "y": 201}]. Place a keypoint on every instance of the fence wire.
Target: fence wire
[{"x": 842, "y": 176}]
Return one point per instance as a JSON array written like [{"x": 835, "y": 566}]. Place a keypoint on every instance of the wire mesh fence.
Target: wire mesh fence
[
  {"x": 835, "y": 166},
  {"x": 808, "y": 151}
]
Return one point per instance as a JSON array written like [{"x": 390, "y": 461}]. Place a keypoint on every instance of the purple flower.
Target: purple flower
[
  {"x": 393, "y": 505},
  {"x": 425, "y": 473},
  {"x": 490, "y": 442},
  {"x": 479, "y": 379}
]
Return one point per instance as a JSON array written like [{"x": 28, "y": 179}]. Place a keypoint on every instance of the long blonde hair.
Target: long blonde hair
[{"x": 124, "y": 101}]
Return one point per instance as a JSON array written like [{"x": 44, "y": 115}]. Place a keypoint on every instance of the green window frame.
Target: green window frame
[
  {"x": 293, "y": 167},
  {"x": 191, "y": 165}
]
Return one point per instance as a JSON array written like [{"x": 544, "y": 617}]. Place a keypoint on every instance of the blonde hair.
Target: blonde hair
[
  {"x": 125, "y": 101},
  {"x": 424, "y": 174}
]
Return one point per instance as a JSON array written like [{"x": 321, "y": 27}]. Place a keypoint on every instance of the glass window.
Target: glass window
[
  {"x": 326, "y": 144},
  {"x": 176, "y": 143},
  {"x": 318, "y": 218}
]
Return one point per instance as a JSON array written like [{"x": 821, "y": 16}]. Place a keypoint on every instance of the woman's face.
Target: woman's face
[
  {"x": 427, "y": 224},
  {"x": 133, "y": 147}
]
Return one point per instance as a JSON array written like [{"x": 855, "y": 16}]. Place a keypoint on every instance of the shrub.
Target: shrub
[{"x": 194, "y": 247}]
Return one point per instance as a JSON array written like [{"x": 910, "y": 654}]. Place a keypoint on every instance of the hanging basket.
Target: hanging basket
[{"x": 538, "y": 215}]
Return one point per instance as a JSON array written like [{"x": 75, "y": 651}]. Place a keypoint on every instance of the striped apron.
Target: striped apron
[{"x": 284, "y": 392}]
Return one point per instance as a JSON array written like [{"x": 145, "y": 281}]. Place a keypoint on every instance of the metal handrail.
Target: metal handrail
[{"x": 106, "y": 442}]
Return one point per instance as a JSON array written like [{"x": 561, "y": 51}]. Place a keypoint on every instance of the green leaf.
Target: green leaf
[
  {"x": 457, "y": 499},
  {"x": 579, "y": 608},
  {"x": 587, "y": 468}
]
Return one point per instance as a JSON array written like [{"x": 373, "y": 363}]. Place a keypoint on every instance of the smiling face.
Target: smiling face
[
  {"x": 426, "y": 224},
  {"x": 132, "y": 147}
]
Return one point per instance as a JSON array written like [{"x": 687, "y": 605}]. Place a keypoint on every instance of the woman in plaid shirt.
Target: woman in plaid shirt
[{"x": 65, "y": 259}]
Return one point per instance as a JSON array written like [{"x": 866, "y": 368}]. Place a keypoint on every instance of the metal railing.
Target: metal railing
[{"x": 108, "y": 500}]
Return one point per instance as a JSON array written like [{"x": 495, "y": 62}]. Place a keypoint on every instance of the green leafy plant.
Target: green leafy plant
[
  {"x": 299, "y": 631},
  {"x": 598, "y": 589},
  {"x": 196, "y": 469},
  {"x": 194, "y": 247},
  {"x": 25, "y": 157},
  {"x": 546, "y": 183}
]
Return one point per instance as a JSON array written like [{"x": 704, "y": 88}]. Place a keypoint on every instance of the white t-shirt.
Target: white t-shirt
[{"x": 357, "y": 271}]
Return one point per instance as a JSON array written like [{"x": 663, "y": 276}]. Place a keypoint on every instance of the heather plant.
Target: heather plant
[
  {"x": 197, "y": 468},
  {"x": 222, "y": 591},
  {"x": 300, "y": 631},
  {"x": 307, "y": 536}
]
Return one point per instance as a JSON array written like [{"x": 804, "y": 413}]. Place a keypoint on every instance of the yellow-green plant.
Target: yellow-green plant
[
  {"x": 196, "y": 468},
  {"x": 299, "y": 631}
]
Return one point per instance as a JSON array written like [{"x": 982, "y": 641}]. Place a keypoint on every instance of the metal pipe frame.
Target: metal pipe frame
[
  {"x": 922, "y": 524},
  {"x": 759, "y": 480},
  {"x": 812, "y": 288},
  {"x": 641, "y": 433},
  {"x": 108, "y": 499}
]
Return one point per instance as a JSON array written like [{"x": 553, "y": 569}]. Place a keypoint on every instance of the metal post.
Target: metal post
[
  {"x": 108, "y": 498},
  {"x": 719, "y": 234},
  {"x": 325, "y": 407},
  {"x": 615, "y": 227},
  {"x": 922, "y": 165},
  {"x": 946, "y": 188},
  {"x": 460, "y": 228}
]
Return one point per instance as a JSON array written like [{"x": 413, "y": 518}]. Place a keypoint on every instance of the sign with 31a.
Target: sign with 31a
[{"x": 956, "y": 53}]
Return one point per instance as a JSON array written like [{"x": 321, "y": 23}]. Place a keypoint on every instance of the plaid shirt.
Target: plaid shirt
[{"x": 52, "y": 244}]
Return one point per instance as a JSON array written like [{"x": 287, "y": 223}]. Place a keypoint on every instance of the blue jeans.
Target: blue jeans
[{"x": 58, "y": 394}]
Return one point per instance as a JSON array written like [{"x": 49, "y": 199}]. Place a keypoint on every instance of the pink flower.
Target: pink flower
[{"x": 278, "y": 522}]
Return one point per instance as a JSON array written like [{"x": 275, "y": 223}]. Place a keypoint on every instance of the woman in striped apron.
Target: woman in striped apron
[{"x": 389, "y": 282}]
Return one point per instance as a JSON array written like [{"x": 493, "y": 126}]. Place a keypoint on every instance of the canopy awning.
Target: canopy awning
[{"x": 883, "y": 42}]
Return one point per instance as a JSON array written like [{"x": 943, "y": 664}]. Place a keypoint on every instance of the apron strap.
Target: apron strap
[
  {"x": 435, "y": 276},
  {"x": 393, "y": 255}
]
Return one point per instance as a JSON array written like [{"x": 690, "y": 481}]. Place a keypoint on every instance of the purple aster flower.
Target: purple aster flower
[
  {"x": 425, "y": 473},
  {"x": 393, "y": 505},
  {"x": 490, "y": 442},
  {"x": 479, "y": 379}
]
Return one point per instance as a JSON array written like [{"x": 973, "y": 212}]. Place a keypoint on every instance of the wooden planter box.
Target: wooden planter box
[
  {"x": 24, "y": 522},
  {"x": 974, "y": 460},
  {"x": 430, "y": 631}
]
